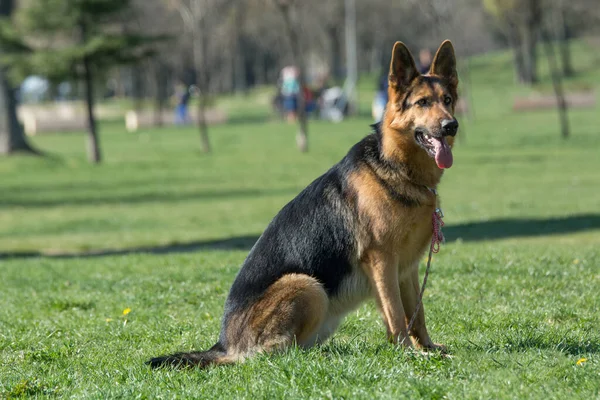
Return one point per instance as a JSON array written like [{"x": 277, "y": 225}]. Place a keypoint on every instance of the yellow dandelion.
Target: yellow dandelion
[
  {"x": 581, "y": 361},
  {"x": 576, "y": 261},
  {"x": 126, "y": 311},
  {"x": 108, "y": 319}
]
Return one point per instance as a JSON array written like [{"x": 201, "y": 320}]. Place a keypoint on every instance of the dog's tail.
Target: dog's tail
[{"x": 216, "y": 355}]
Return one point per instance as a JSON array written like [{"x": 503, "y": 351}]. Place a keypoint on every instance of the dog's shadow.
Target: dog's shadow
[
  {"x": 522, "y": 343},
  {"x": 521, "y": 227}
]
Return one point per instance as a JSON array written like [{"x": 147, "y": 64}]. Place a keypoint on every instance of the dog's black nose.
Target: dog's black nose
[{"x": 449, "y": 127}]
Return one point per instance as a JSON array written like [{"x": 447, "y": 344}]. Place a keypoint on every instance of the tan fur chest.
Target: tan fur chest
[{"x": 387, "y": 225}]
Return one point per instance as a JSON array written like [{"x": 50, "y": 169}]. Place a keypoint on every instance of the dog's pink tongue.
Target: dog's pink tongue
[{"x": 443, "y": 153}]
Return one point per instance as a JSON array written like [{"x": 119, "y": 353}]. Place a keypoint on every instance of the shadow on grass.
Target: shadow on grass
[
  {"x": 521, "y": 227},
  {"x": 251, "y": 119},
  {"x": 235, "y": 243},
  {"x": 523, "y": 342},
  {"x": 568, "y": 346},
  {"x": 143, "y": 197},
  {"x": 468, "y": 232}
]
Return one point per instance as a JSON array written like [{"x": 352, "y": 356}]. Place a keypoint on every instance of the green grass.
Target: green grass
[{"x": 513, "y": 294}]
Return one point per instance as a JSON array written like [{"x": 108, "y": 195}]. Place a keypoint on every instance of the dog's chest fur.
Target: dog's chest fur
[
  {"x": 388, "y": 225},
  {"x": 383, "y": 224}
]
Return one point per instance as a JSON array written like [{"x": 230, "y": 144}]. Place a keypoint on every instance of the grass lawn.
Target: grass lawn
[{"x": 161, "y": 229}]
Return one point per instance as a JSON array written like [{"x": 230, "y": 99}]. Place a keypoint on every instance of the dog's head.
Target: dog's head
[{"x": 421, "y": 107}]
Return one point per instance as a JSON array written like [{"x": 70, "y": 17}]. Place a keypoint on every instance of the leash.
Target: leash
[{"x": 436, "y": 238}]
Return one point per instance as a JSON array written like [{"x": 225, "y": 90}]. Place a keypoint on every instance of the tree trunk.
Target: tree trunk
[
  {"x": 160, "y": 92},
  {"x": 529, "y": 55},
  {"x": 557, "y": 85},
  {"x": 202, "y": 123},
  {"x": 239, "y": 55},
  {"x": 88, "y": 82},
  {"x": 137, "y": 72},
  {"x": 93, "y": 144},
  {"x": 514, "y": 39},
  {"x": 335, "y": 52},
  {"x": 292, "y": 28},
  {"x": 156, "y": 82},
  {"x": 260, "y": 69},
  {"x": 530, "y": 35},
  {"x": 562, "y": 30},
  {"x": 199, "y": 55},
  {"x": 12, "y": 138},
  {"x": 351, "y": 56}
]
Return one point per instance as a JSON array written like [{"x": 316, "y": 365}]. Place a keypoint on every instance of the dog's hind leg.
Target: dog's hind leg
[
  {"x": 291, "y": 310},
  {"x": 327, "y": 328}
]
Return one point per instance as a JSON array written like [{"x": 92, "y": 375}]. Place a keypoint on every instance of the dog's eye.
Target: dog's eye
[
  {"x": 447, "y": 100},
  {"x": 422, "y": 102}
]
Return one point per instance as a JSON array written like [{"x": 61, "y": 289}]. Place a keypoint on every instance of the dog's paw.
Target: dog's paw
[
  {"x": 435, "y": 347},
  {"x": 438, "y": 347},
  {"x": 443, "y": 350},
  {"x": 433, "y": 350}
]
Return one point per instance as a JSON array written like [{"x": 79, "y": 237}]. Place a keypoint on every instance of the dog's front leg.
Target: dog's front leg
[
  {"x": 382, "y": 271},
  {"x": 410, "y": 291}
]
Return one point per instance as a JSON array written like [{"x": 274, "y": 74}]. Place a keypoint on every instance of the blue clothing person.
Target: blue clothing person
[{"x": 181, "y": 110}]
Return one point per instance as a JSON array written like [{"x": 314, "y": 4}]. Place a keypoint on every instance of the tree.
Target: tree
[
  {"x": 205, "y": 22},
  {"x": 152, "y": 17},
  {"x": 557, "y": 83},
  {"x": 561, "y": 29},
  {"x": 75, "y": 38},
  {"x": 289, "y": 11},
  {"x": 530, "y": 27},
  {"x": 520, "y": 22},
  {"x": 12, "y": 138},
  {"x": 333, "y": 24}
]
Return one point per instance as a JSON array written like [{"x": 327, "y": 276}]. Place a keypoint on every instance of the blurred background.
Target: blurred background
[
  {"x": 199, "y": 113},
  {"x": 146, "y": 144}
]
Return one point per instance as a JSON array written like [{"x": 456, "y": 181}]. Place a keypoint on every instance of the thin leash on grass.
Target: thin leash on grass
[{"x": 436, "y": 239}]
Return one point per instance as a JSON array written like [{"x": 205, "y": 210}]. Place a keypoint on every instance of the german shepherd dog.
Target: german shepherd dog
[{"x": 357, "y": 231}]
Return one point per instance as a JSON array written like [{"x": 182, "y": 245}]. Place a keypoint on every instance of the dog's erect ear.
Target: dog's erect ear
[
  {"x": 402, "y": 68},
  {"x": 444, "y": 63}
]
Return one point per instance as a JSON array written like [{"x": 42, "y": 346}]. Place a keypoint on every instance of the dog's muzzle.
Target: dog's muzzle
[{"x": 449, "y": 127}]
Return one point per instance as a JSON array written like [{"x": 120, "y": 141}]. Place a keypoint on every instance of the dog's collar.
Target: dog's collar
[{"x": 432, "y": 190}]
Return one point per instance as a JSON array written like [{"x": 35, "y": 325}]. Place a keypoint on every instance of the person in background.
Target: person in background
[
  {"x": 381, "y": 98},
  {"x": 183, "y": 96},
  {"x": 290, "y": 88},
  {"x": 425, "y": 58}
]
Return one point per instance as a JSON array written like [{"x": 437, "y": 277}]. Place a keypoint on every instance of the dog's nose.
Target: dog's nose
[{"x": 449, "y": 127}]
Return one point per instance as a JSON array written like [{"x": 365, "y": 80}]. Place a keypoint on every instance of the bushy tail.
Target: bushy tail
[{"x": 201, "y": 359}]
